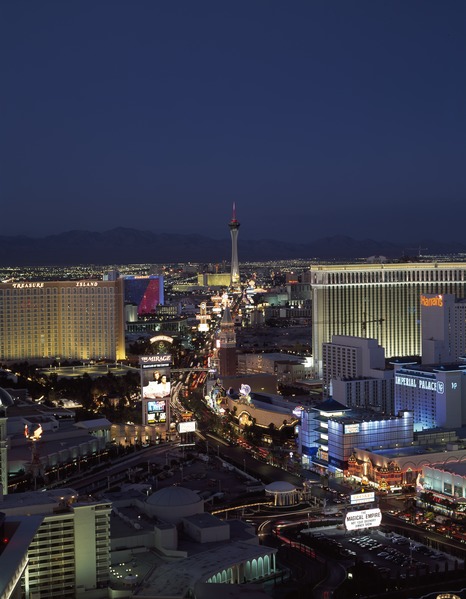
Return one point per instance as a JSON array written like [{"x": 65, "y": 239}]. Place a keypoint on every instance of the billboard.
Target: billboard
[
  {"x": 187, "y": 427},
  {"x": 363, "y": 519},
  {"x": 155, "y": 361},
  {"x": 156, "y": 411},
  {"x": 351, "y": 429},
  {"x": 155, "y": 388},
  {"x": 145, "y": 292},
  {"x": 366, "y": 497},
  {"x": 156, "y": 383}
]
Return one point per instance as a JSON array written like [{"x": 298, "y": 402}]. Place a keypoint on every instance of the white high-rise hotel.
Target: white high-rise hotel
[{"x": 381, "y": 301}]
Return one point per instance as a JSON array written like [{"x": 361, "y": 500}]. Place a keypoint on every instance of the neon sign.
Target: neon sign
[
  {"x": 432, "y": 301},
  {"x": 418, "y": 383},
  {"x": 27, "y": 285},
  {"x": 351, "y": 428}
]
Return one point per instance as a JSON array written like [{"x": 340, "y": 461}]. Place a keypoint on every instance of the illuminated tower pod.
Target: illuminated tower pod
[
  {"x": 234, "y": 227},
  {"x": 380, "y": 301}
]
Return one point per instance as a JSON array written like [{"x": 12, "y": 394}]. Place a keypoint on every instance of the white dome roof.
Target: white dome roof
[
  {"x": 280, "y": 486},
  {"x": 173, "y": 496}
]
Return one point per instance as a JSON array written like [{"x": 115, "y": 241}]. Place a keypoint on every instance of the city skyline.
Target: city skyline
[{"x": 316, "y": 119}]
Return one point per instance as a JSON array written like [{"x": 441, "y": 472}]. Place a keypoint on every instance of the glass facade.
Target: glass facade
[
  {"x": 329, "y": 439},
  {"x": 346, "y": 434}
]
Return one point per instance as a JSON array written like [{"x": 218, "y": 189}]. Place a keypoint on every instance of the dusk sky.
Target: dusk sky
[{"x": 316, "y": 117}]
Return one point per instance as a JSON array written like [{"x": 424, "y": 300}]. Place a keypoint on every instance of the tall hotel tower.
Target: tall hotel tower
[
  {"x": 234, "y": 227},
  {"x": 75, "y": 320},
  {"x": 381, "y": 301}
]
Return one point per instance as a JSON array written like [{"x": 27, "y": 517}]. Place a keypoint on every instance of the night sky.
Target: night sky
[{"x": 316, "y": 117}]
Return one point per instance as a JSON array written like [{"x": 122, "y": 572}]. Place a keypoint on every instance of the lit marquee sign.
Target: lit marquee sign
[
  {"x": 156, "y": 412},
  {"x": 418, "y": 383},
  {"x": 157, "y": 360},
  {"x": 34, "y": 285},
  {"x": 187, "y": 427},
  {"x": 155, "y": 388},
  {"x": 27, "y": 285},
  {"x": 432, "y": 301},
  {"x": 351, "y": 428},
  {"x": 363, "y": 519},
  {"x": 161, "y": 338},
  {"x": 358, "y": 498}
]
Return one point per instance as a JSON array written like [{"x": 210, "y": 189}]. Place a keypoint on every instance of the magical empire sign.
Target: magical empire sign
[{"x": 363, "y": 519}]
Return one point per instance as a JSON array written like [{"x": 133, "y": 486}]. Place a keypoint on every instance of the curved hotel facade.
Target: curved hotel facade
[{"x": 381, "y": 301}]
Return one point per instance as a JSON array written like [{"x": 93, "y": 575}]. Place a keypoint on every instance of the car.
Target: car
[{"x": 400, "y": 541}]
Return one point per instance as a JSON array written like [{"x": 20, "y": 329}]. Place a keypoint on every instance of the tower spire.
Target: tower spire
[{"x": 234, "y": 226}]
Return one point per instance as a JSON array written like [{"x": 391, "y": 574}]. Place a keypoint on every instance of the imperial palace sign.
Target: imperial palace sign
[{"x": 419, "y": 383}]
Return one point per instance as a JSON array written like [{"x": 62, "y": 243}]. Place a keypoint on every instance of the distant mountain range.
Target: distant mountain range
[{"x": 130, "y": 246}]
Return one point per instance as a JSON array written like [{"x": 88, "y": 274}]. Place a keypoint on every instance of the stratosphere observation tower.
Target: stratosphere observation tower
[{"x": 234, "y": 227}]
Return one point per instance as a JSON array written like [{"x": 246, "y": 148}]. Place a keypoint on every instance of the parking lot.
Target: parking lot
[{"x": 391, "y": 554}]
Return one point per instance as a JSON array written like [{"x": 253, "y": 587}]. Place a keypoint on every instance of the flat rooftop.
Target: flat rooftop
[
  {"x": 175, "y": 579},
  {"x": 35, "y": 499},
  {"x": 403, "y": 452},
  {"x": 453, "y": 467},
  {"x": 93, "y": 370}
]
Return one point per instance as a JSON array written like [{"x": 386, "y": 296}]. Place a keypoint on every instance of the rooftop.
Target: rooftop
[
  {"x": 175, "y": 579},
  {"x": 49, "y": 498},
  {"x": 402, "y": 452},
  {"x": 453, "y": 467}
]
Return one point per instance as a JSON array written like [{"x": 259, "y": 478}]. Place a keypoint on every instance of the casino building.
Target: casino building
[
  {"x": 443, "y": 488},
  {"x": 380, "y": 301},
  {"x": 329, "y": 433},
  {"x": 435, "y": 394},
  {"x": 77, "y": 320}
]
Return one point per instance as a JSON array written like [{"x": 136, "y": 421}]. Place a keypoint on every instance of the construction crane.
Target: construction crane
[{"x": 365, "y": 322}]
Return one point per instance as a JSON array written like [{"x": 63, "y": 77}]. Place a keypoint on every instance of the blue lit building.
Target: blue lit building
[
  {"x": 435, "y": 394},
  {"x": 313, "y": 432},
  {"x": 330, "y": 432}
]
